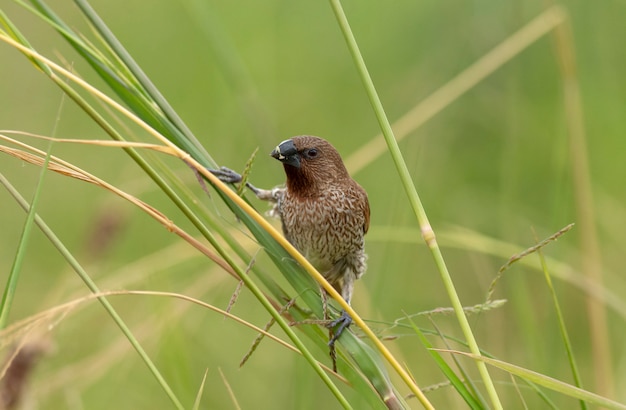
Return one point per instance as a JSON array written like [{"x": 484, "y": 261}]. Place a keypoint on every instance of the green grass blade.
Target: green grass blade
[
  {"x": 137, "y": 99},
  {"x": 185, "y": 137},
  {"x": 550, "y": 383},
  {"x": 414, "y": 199},
  {"x": 11, "y": 286},
  {"x": 14, "y": 33},
  {"x": 562, "y": 327},
  {"x": 456, "y": 382},
  {"x": 196, "y": 404}
]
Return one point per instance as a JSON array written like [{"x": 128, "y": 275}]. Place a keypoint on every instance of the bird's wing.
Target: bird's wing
[{"x": 365, "y": 207}]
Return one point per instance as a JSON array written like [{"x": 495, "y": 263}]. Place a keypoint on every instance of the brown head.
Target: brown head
[{"x": 311, "y": 164}]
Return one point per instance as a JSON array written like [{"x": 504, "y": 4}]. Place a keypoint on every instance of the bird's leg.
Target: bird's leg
[
  {"x": 331, "y": 346},
  {"x": 228, "y": 176},
  {"x": 336, "y": 328},
  {"x": 330, "y": 325},
  {"x": 338, "y": 325}
]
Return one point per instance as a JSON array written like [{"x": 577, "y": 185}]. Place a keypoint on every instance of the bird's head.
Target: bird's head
[{"x": 311, "y": 163}]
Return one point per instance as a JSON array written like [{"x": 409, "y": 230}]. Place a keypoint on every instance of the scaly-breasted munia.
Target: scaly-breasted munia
[{"x": 324, "y": 212}]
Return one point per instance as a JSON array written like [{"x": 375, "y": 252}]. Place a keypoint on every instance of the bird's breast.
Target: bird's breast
[{"x": 324, "y": 228}]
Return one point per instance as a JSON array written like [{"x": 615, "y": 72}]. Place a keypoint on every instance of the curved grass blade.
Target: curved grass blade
[
  {"x": 455, "y": 381},
  {"x": 548, "y": 382}
]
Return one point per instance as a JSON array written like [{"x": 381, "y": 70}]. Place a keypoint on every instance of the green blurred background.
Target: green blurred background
[{"x": 250, "y": 74}]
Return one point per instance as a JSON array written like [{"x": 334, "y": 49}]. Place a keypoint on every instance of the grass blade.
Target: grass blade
[
  {"x": 186, "y": 138},
  {"x": 416, "y": 204},
  {"x": 562, "y": 327},
  {"x": 10, "y": 288},
  {"x": 548, "y": 382},
  {"x": 456, "y": 382}
]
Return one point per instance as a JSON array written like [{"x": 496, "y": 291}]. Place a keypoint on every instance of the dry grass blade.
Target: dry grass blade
[
  {"x": 100, "y": 143},
  {"x": 231, "y": 393},
  {"x": 20, "y": 328},
  {"x": 223, "y": 312},
  {"x": 466, "y": 80},
  {"x": 64, "y": 168}
]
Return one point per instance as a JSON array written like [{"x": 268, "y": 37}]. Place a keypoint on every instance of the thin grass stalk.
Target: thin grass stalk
[
  {"x": 582, "y": 185},
  {"x": 562, "y": 327},
  {"x": 469, "y": 240},
  {"x": 11, "y": 286},
  {"x": 58, "y": 244},
  {"x": 13, "y": 33},
  {"x": 484, "y": 353},
  {"x": 427, "y": 232}
]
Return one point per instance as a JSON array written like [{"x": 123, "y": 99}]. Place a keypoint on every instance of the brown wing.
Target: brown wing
[
  {"x": 365, "y": 207},
  {"x": 366, "y": 211}
]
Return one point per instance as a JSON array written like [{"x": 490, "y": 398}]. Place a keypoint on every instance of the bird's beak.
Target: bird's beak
[{"x": 287, "y": 153}]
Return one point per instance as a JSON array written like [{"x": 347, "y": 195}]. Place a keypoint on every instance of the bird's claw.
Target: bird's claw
[
  {"x": 226, "y": 175},
  {"x": 337, "y": 327}
]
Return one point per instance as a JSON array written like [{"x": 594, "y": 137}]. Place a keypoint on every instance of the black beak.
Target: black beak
[{"x": 287, "y": 153}]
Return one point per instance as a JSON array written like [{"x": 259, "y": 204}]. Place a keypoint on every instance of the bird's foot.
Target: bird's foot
[
  {"x": 226, "y": 175},
  {"x": 337, "y": 327}
]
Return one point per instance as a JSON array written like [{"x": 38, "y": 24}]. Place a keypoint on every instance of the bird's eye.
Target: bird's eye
[{"x": 311, "y": 153}]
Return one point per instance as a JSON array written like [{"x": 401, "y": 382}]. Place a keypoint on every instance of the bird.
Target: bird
[{"x": 325, "y": 214}]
